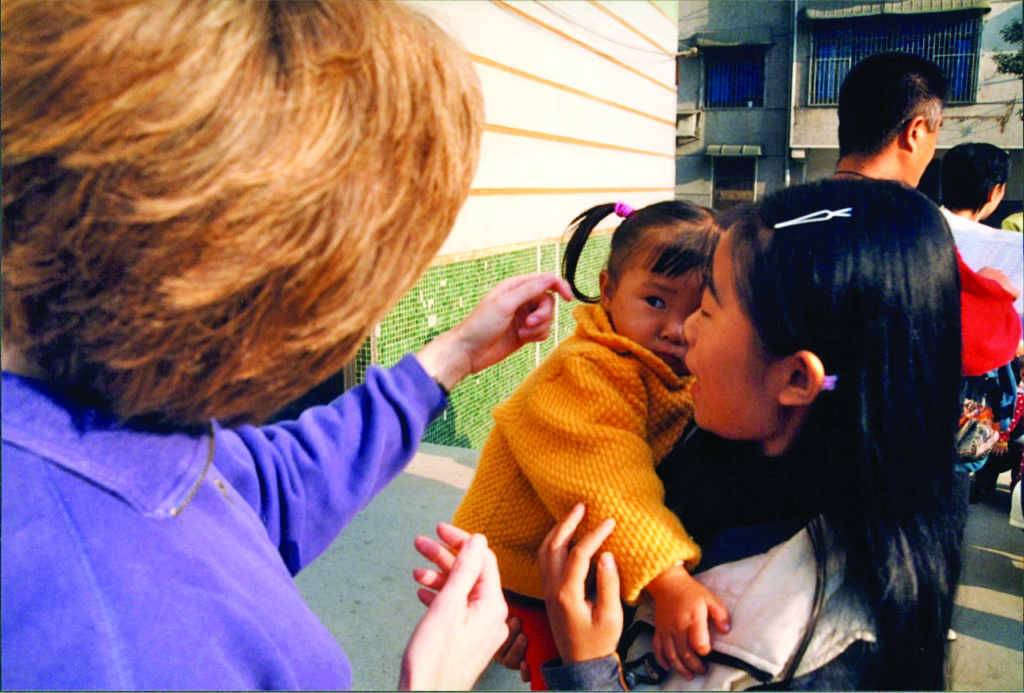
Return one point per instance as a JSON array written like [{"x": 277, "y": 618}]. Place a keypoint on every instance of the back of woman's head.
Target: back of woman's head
[
  {"x": 668, "y": 238},
  {"x": 208, "y": 203},
  {"x": 874, "y": 293}
]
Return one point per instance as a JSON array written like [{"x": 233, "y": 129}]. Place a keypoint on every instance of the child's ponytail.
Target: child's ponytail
[
  {"x": 581, "y": 227},
  {"x": 686, "y": 240}
]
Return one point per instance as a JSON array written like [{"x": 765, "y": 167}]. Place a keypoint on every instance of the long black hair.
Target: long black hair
[
  {"x": 684, "y": 240},
  {"x": 875, "y": 295}
]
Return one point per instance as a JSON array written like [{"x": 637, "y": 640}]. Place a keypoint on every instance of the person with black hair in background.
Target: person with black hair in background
[
  {"x": 890, "y": 112},
  {"x": 974, "y": 179}
]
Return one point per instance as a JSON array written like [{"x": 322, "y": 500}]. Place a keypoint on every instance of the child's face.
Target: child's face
[
  {"x": 650, "y": 309},
  {"x": 733, "y": 393}
]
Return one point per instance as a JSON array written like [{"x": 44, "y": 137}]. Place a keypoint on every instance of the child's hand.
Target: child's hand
[
  {"x": 682, "y": 607},
  {"x": 517, "y": 311},
  {"x": 512, "y": 653}
]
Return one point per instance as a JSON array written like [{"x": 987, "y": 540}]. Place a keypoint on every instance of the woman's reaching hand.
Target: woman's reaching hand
[{"x": 465, "y": 620}]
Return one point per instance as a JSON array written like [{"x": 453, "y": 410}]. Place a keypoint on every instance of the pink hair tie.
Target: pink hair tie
[{"x": 623, "y": 210}]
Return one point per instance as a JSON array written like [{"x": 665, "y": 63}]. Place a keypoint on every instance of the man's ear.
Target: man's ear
[
  {"x": 607, "y": 289},
  {"x": 996, "y": 195},
  {"x": 910, "y": 138},
  {"x": 804, "y": 376}
]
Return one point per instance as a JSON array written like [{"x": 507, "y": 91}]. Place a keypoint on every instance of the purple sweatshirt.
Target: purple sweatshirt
[{"x": 130, "y": 561}]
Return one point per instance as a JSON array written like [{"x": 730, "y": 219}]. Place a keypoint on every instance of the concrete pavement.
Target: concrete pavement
[
  {"x": 362, "y": 587},
  {"x": 989, "y": 615}
]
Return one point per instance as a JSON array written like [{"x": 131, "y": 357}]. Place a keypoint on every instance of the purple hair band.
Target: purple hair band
[
  {"x": 623, "y": 210},
  {"x": 829, "y": 383}
]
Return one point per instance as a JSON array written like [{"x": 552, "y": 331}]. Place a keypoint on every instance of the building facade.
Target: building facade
[
  {"x": 580, "y": 102},
  {"x": 759, "y": 82}
]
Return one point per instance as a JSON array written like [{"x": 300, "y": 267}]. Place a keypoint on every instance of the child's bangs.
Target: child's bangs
[
  {"x": 671, "y": 259},
  {"x": 677, "y": 255}
]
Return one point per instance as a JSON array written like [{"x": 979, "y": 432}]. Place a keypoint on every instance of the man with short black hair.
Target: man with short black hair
[{"x": 890, "y": 111}]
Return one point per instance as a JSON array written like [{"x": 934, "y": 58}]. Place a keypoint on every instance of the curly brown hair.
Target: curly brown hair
[{"x": 208, "y": 203}]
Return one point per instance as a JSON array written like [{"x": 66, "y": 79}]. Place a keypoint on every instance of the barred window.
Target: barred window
[
  {"x": 949, "y": 40},
  {"x": 734, "y": 180},
  {"x": 734, "y": 77}
]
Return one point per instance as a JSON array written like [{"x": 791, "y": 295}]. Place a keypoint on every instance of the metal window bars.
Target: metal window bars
[
  {"x": 734, "y": 77},
  {"x": 950, "y": 42}
]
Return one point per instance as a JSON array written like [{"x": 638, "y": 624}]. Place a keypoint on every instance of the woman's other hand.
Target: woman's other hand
[
  {"x": 583, "y": 629},
  {"x": 465, "y": 620},
  {"x": 517, "y": 311}
]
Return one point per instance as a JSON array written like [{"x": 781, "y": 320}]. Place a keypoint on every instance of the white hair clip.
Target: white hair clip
[{"x": 820, "y": 215}]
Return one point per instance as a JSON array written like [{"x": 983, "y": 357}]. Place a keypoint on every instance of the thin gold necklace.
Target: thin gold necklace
[{"x": 199, "y": 482}]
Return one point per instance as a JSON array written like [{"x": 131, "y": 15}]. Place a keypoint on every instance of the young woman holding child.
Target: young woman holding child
[
  {"x": 827, "y": 335},
  {"x": 594, "y": 420}
]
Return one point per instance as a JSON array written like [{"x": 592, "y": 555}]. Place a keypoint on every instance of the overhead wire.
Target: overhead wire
[{"x": 550, "y": 7}]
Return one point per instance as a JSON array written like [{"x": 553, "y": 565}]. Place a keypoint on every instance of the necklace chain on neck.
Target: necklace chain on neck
[{"x": 850, "y": 173}]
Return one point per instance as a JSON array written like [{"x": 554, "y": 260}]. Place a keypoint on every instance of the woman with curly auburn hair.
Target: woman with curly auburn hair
[
  {"x": 206, "y": 205},
  {"x": 198, "y": 197}
]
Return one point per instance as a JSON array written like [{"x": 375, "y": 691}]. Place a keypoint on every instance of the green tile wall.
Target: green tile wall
[{"x": 442, "y": 297}]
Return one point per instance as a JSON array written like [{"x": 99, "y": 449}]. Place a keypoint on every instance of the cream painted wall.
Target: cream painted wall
[{"x": 580, "y": 109}]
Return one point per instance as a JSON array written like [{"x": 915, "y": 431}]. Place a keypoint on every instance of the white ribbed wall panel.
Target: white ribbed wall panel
[
  {"x": 513, "y": 101},
  {"x": 580, "y": 109},
  {"x": 558, "y": 165},
  {"x": 518, "y": 219}
]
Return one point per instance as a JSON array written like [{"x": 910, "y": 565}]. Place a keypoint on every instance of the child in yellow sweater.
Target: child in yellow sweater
[{"x": 591, "y": 423}]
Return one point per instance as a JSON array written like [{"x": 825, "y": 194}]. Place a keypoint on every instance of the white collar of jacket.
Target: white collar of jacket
[{"x": 769, "y": 597}]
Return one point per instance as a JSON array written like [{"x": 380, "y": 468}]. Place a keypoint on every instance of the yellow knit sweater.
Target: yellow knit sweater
[{"x": 589, "y": 424}]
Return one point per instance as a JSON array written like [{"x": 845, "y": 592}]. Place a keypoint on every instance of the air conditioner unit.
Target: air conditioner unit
[{"x": 686, "y": 125}]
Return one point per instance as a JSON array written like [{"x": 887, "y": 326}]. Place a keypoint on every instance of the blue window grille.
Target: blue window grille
[
  {"x": 734, "y": 77},
  {"x": 950, "y": 41}
]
